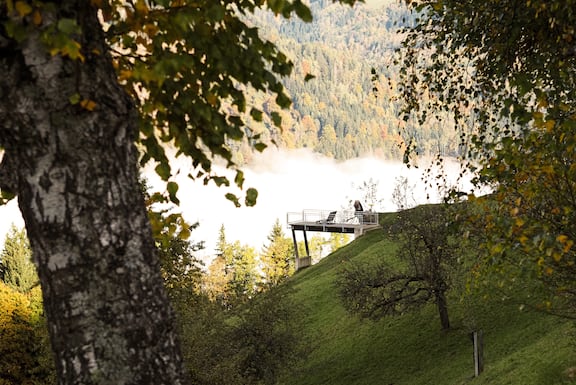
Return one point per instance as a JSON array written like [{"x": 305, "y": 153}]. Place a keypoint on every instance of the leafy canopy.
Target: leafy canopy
[
  {"x": 506, "y": 71},
  {"x": 186, "y": 64}
]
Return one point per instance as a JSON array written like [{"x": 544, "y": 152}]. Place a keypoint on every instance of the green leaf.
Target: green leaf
[
  {"x": 216, "y": 12},
  {"x": 68, "y": 26},
  {"x": 260, "y": 146},
  {"x": 283, "y": 100},
  {"x": 163, "y": 170},
  {"x": 172, "y": 188},
  {"x": 276, "y": 6},
  {"x": 221, "y": 180},
  {"x": 303, "y": 11},
  {"x": 276, "y": 119},
  {"x": 309, "y": 77},
  {"x": 256, "y": 114},
  {"x": 75, "y": 99},
  {"x": 6, "y": 196},
  {"x": 239, "y": 179},
  {"x": 251, "y": 197},
  {"x": 233, "y": 198},
  {"x": 15, "y": 30}
]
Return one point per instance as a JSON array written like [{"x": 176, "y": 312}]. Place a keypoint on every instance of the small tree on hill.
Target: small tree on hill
[
  {"x": 403, "y": 194},
  {"x": 426, "y": 254}
]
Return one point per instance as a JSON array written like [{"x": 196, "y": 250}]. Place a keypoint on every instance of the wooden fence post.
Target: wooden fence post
[{"x": 478, "y": 342}]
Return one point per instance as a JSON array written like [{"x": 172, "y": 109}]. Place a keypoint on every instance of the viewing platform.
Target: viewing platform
[
  {"x": 328, "y": 221},
  {"x": 333, "y": 221}
]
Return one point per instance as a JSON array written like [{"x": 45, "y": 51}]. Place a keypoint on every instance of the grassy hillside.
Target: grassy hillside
[{"x": 520, "y": 347}]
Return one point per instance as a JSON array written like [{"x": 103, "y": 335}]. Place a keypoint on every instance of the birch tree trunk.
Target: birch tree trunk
[{"x": 75, "y": 173}]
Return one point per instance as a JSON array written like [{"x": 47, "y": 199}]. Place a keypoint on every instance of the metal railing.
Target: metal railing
[{"x": 333, "y": 217}]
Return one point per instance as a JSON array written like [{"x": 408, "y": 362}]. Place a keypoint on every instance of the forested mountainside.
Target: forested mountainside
[{"x": 337, "y": 113}]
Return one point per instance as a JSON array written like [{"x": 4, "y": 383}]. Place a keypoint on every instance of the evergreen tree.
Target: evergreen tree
[
  {"x": 233, "y": 273},
  {"x": 215, "y": 282},
  {"x": 17, "y": 268},
  {"x": 278, "y": 256},
  {"x": 241, "y": 268}
]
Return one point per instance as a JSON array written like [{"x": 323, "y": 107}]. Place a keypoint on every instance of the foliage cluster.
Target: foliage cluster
[
  {"x": 234, "y": 329},
  {"x": 249, "y": 343},
  {"x": 508, "y": 83},
  {"x": 187, "y": 87},
  {"x": 25, "y": 356},
  {"x": 236, "y": 326},
  {"x": 24, "y": 353}
]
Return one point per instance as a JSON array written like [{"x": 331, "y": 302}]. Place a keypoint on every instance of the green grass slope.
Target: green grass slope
[{"x": 520, "y": 347}]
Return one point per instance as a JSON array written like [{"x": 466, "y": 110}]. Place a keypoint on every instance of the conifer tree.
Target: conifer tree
[
  {"x": 233, "y": 276},
  {"x": 241, "y": 267},
  {"x": 278, "y": 256},
  {"x": 17, "y": 268}
]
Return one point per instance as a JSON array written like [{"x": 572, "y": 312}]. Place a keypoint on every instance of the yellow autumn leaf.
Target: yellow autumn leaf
[
  {"x": 23, "y": 8},
  {"x": 150, "y": 29},
  {"x": 212, "y": 99},
  {"x": 562, "y": 238},
  {"x": 10, "y": 6},
  {"x": 37, "y": 18},
  {"x": 550, "y": 124},
  {"x": 542, "y": 102},
  {"x": 497, "y": 248},
  {"x": 125, "y": 74},
  {"x": 88, "y": 104},
  {"x": 557, "y": 256},
  {"x": 547, "y": 169},
  {"x": 141, "y": 7},
  {"x": 568, "y": 245}
]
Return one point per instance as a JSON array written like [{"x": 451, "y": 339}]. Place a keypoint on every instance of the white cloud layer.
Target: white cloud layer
[{"x": 287, "y": 181}]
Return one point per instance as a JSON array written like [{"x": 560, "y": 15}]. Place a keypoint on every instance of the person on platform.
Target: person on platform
[{"x": 358, "y": 211}]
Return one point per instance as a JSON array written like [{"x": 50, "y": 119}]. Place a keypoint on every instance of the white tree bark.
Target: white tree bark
[{"x": 75, "y": 173}]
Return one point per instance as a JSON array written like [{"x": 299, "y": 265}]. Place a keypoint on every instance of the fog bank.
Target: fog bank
[
  {"x": 287, "y": 181},
  {"x": 291, "y": 181}
]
